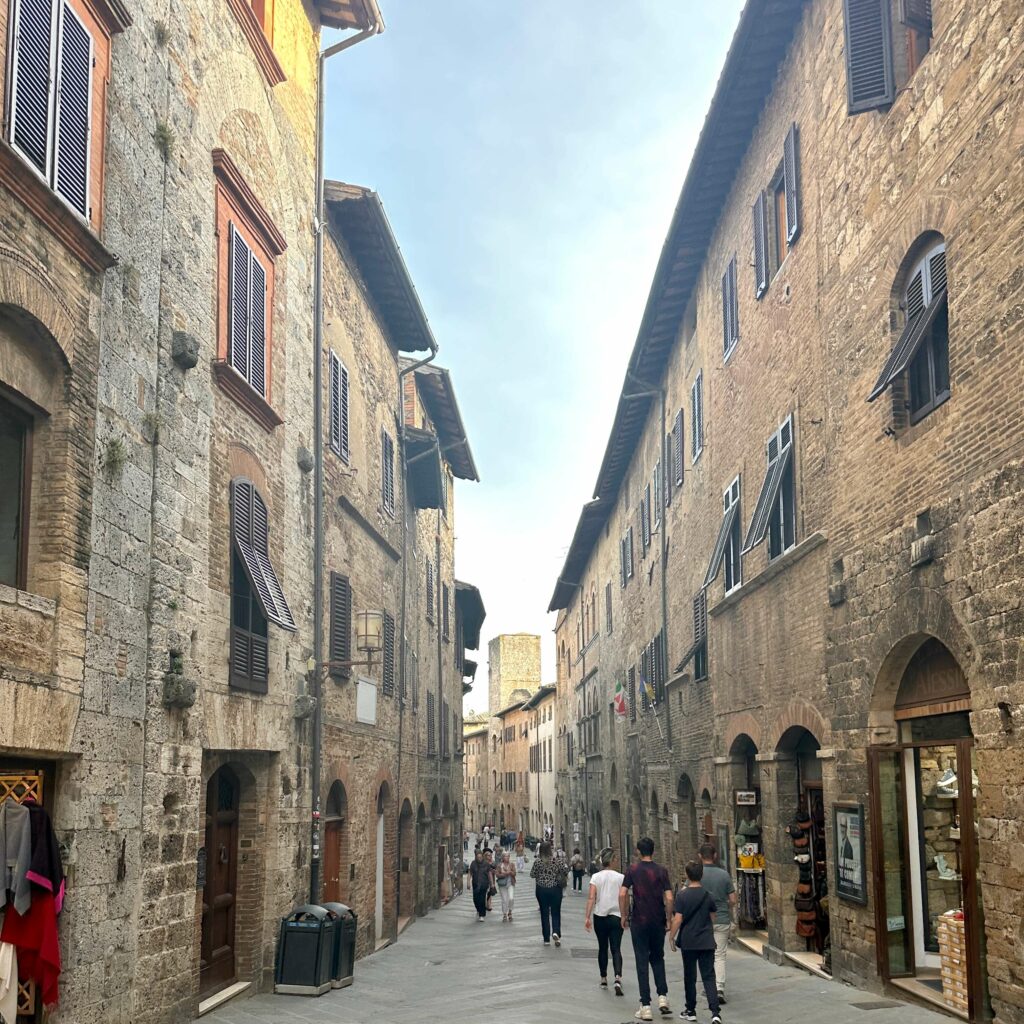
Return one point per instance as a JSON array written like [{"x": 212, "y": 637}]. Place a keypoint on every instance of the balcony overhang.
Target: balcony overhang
[{"x": 423, "y": 468}]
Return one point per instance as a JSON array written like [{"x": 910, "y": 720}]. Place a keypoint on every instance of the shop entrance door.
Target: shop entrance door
[{"x": 217, "y": 952}]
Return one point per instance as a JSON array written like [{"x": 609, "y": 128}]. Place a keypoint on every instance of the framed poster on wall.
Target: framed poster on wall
[{"x": 848, "y": 852}]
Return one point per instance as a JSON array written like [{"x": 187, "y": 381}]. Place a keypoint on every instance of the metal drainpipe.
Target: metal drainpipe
[
  {"x": 403, "y": 651},
  {"x": 374, "y": 28}
]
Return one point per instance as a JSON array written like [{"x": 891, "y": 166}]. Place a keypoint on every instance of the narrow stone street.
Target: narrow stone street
[{"x": 449, "y": 967}]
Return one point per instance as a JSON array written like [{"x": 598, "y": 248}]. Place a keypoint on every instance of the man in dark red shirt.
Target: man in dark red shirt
[{"x": 648, "y": 922}]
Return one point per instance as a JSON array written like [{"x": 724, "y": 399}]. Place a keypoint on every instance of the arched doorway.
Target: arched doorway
[
  {"x": 924, "y": 853},
  {"x": 336, "y": 858},
  {"x": 746, "y": 799},
  {"x": 220, "y": 891},
  {"x": 688, "y": 841},
  {"x": 406, "y": 860}
]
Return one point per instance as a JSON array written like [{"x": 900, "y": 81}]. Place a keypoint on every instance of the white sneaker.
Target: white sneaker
[
  {"x": 663, "y": 1008},
  {"x": 557, "y": 938},
  {"x": 644, "y": 1013}
]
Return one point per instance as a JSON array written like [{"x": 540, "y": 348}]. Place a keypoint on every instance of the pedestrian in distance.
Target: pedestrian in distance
[
  {"x": 719, "y": 883},
  {"x": 577, "y": 864},
  {"x": 480, "y": 881},
  {"x": 649, "y": 921},
  {"x": 491, "y": 887},
  {"x": 604, "y": 913},
  {"x": 506, "y": 875},
  {"x": 550, "y": 876},
  {"x": 693, "y": 932},
  {"x": 520, "y": 856}
]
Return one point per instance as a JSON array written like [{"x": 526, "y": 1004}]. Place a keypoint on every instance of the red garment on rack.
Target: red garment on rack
[{"x": 35, "y": 936}]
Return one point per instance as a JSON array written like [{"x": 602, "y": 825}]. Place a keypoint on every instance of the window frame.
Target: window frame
[
  {"x": 926, "y": 350},
  {"x": 387, "y": 473},
  {"x": 697, "y": 418},
  {"x": 778, "y": 248},
  {"x": 339, "y": 400},
  {"x": 24, "y": 417},
  {"x": 786, "y": 496},
  {"x": 732, "y": 557}
]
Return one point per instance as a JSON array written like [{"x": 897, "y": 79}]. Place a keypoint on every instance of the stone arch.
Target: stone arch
[
  {"x": 614, "y": 778},
  {"x": 435, "y": 808},
  {"x": 243, "y": 461},
  {"x": 406, "y": 861},
  {"x": 739, "y": 725},
  {"x": 26, "y": 288},
  {"x": 933, "y": 215},
  {"x": 800, "y": 713},
  {"x": 336, "y": 844}
]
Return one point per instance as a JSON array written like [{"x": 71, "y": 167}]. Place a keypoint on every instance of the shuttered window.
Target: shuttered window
[
  {"x": 629, "y": 553},
  {"x": 387, "y": 472},
  {"x": 870, "y": 82},
  {"x": 791, "y": 177},
  {"x": 727, "y": 532},
  {"x": 645, "y": 518},
  {"x": 774, "y": 512},
  {"x": 732, "y": 556},
  {"x": 608, "y": 608},
  {"x": 340, "y": 630},
  {"x": 430, "y": 591},
  {"x": 700, "y": 636},
  {"x": 760, "y": 214},
  {"x": 388, "y": 667},
  {"x": 677, "y": 449},
  {"x": 431, "y": 723},
  {"x": 445, "y": 614},
  {"x": 339, "y": 409},
  {"x": 631, "y": 693},
  {"x": 730, "y": 308},
  {"x": 247, "y": 313},
  {"x": 51, "y": 96},
  {"x": 697, "y": 417},
  {"x": 656, "y": 488}
]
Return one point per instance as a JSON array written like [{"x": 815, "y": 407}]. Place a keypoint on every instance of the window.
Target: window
[
  {"x": 775, "y": 512},
  {"x": 697, "y": 417},
  {"x": 340, "y": 629},
  {"x": 645, "y": 519},
  {"x": 59, "y": 66},
  {"x": 256, "y": 594},
  {"x": 608, "y": 608},
  {"x": 431, "y": 724},
  {"x": 700, "y": 636},
  {"x": 445, "y": 613},
  {"x": 339, "y": 409},
  {"x": 922, "y": 350},
  {"x": 247, "y": 243},
  {"x": 388, "y": 657},
  {"x": 631, "y": 691},
  {"x": 430, "y": 591},
  {"x": 446, "y": 748},
  {"x": 730, "y": 309},
  {"x": 727, "y": 541},
  {"x": 626, "y": 558},
  {"x": 731, "y": 557},
  {"x": 916, "y": 18},
  {"x": 256, "y": 18},
  {"x": 677, "y": 449},
  {"x": 387, "y": 473},
  {"x": 15, "y": 470},
  {"x": 870, "y": 82},
  {"x": 657, "y": 488}
]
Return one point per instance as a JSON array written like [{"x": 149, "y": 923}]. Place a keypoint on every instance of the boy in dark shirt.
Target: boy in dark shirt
[{"x": 694, "y": 934}]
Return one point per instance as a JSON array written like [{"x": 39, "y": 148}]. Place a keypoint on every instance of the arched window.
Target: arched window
[{"x": 918, "y": 366}]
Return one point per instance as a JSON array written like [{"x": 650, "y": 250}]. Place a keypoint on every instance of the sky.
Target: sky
[{"x": 529, "y": 158}]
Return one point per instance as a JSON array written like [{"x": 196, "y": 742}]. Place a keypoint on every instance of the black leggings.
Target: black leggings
[
  {"x": 609, "y": 933},
  {"x": 577, "y": 880},
  {"x": 549, "y": 900}
]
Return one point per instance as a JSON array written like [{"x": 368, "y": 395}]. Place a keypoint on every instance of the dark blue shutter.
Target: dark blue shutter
[
  {"x": 345, "y": 450},
  {"x": 238, "y": 302},
  {"x": 30, "y": 109},
  {"x": 760, "y": 214},
  {"x": 870, "y": 82},
  {"x": 388, "y": 680},
  {"x": 74, "y": 87},
  {"x": 335, "y": 403},
  {"x": 791, "y": 176},
  {"x": 258, "y": 327}
]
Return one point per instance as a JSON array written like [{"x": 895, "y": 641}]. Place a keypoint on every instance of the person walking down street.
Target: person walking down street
[
  {"x": 506, "y": 874},
  {"x": 603, "y": 911},
  {"x": 480, "y": 881},
  {"x": 520, "y": 857},
  {"x": 550, "y": 876},
  {"x": 693, "y": 932},
  {"x": 719, "y": 883},
  {"x": 578, "y": 864},
  {"x": 491, "y": 888},
  {"x": 652, "y": 911}
]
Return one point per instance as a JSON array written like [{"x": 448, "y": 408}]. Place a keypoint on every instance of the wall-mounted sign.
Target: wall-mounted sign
[
  {"x": 746, "y": 797},
  {"x": 848, "y": 850}
]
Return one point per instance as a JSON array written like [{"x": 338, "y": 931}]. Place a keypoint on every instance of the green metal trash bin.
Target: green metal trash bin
[
  {"x": 305, "y": 951},
  {"x": 344, "y": 944}
]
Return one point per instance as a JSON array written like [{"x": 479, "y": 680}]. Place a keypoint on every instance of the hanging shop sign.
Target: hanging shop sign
[
  {"x": 848, "y": 852},
  {"x": 746, "y": 797}
]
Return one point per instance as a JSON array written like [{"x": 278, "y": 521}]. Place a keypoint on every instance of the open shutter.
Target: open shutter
[
  {"x": 74, "y": 92},
  {"x": 697, "y": 417},
  {"x": 389, "y": 655},
  {"x": 700, "y": 618},
  {"x": 345, "y": 452},
  {"x": 677, "y": 449},
  {"x": 760, "y": 213},
  {"x": 239, "y": 256},
  {"x": 279, "y": 612},
  {"x": 340, "y": 630},
  {"x": 258, "y": 327},
  {"x": 32, "y": 81},
  {"x": 791, "y": 176},
  {"x": 622, "y": 561},
  {"x": 870, "y": 82},
  {"x": 629, "y": 553},
  {"x": 430, "y": 591},
  {"x": 727, "y": 332}
]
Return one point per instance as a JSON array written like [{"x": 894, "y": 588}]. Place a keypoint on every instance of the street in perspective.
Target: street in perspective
[{"x": 511, "y": 511}]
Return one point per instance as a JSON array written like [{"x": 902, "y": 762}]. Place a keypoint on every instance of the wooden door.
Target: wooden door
[
  {"x": 217, "y": 965},
  {"x": 332, "y": 861}
]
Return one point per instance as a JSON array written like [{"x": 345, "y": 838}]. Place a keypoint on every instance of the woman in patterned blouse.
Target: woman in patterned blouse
[{"x": 550, "y": 876}]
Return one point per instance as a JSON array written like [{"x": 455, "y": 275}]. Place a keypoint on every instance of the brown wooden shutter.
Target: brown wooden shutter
[
  {"x": 870, "y": 82},
  {"x": 340, "y": 629},
  {"x": 760, "y": 214},
  {"x": 430, "y": 591},
  {"x": 388, "y": 680},
  {"x": 791, "y": 176}
]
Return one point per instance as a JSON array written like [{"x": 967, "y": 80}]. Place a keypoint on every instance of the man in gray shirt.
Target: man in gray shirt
[{"x": 718, "y": 882}]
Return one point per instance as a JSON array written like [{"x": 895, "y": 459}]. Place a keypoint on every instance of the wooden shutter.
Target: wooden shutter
[
  {"x": 445, "y": 617},
  {"x": 917, "y": 14},
  {"x": 700, "y": 617},
  {"x": 238, "y": 302},
  {"x": 760, "y": 214},
  {"x": 387, "y": 448},
  {"x": 629, "y": 553},
  {"x": 730, "y": 308},
  {"x": 250, "y": 527},
  {"x": 32, "y": 98},
  {"x": 697, "y": 417},
  {"x": 677, "y": 449},
  {"x": 656, "y": 488},
  {"x": 74, "y": 94},
  {"x": 430, "y": 591},
  {"x": 870, "y": 82},
  {"x": 622, "y": 561},
  {"x": 346, "y": 451},
  {"x": 388, "y": 680},
  {"x": 431, "y": 723},
  {"x": 335, "y": 404},
  {"x": 258, "y": 327},
  {"x": 340, "y": 628},
  {"x": 791, "y": 177}
]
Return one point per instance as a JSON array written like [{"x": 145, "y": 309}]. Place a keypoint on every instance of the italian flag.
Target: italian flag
[{"x": 619, "y": 699}]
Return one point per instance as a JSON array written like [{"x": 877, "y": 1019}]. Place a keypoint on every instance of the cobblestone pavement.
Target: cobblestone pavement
[{"x": 448, "y": 967}]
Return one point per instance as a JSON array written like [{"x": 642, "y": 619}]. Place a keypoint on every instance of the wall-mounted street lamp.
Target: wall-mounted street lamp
[{"x": 369, "y": 641}]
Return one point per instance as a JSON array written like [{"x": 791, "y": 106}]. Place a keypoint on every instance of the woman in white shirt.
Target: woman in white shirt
[{"x": 603, "y": 910}]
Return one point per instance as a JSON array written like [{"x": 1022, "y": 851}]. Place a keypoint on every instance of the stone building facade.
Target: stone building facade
[
  {"x": 541, "y": 736},
  {"x": 513, "y": 664},
  {"x": 803, "y": 534},
  {"x": 475, "y": 744},
  {"x": 157, "y": 416}
]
